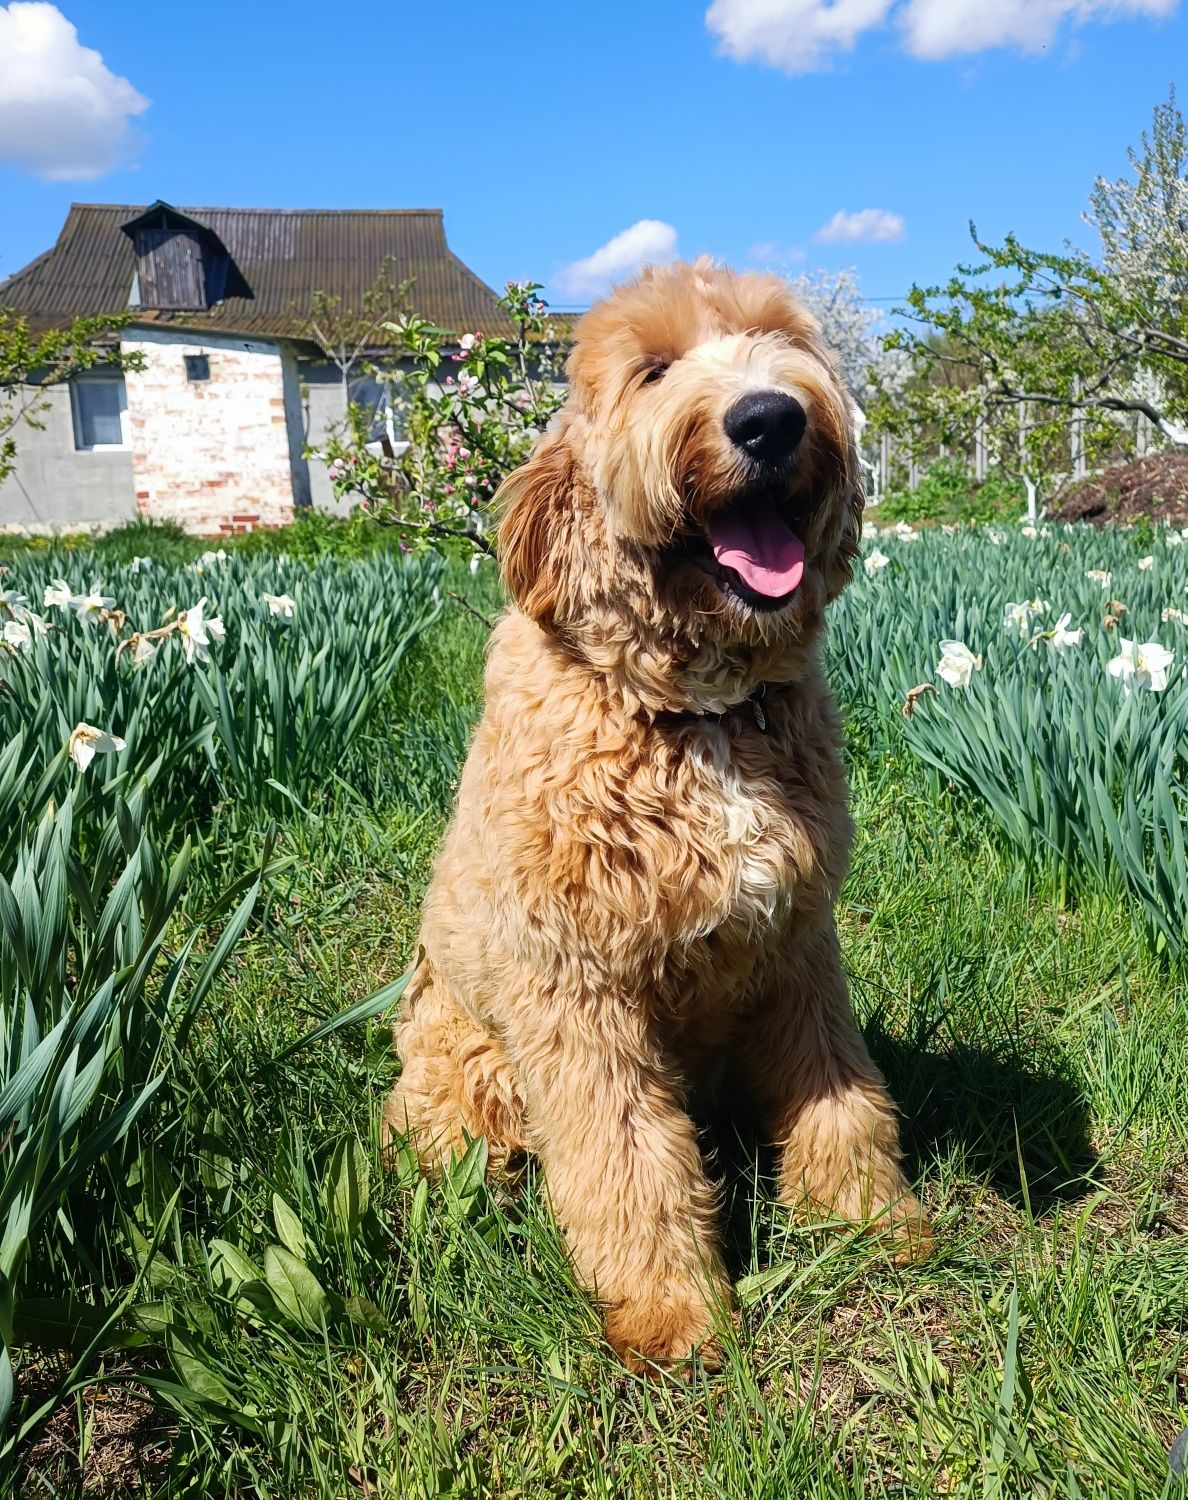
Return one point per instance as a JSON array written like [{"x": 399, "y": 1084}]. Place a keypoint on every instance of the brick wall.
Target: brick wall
[{"x": 213, "y": 455}]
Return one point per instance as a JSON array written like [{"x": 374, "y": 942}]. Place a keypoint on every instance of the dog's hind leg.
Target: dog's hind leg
[
  {"x": 456, "y": 1082},
  {"x": 824, "y": 1103}
]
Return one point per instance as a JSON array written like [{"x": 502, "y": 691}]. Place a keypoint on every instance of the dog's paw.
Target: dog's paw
[{"x": 670, "y": 1332}]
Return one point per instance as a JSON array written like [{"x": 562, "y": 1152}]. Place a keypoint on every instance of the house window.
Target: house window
[
  {"x": 197, "y": 366},
  {"x": 99, "y": 404}
]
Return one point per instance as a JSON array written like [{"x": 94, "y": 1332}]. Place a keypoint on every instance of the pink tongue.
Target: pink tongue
[{"x": 765, "y": 552}]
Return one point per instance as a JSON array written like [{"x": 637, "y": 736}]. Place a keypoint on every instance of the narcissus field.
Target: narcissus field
[{"x": 223, "y": 778}]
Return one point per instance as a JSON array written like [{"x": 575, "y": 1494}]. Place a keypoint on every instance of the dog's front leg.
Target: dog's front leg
[
  {"x": 625, "y": 1176},
  {"x": 824, "y": 1103}
]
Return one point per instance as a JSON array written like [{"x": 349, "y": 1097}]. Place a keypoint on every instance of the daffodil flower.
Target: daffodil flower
[
  {"x": 1145, "y": 564},
  {"x": 996, "y": 535},
  {"x": 280, "y": 604},
  {"x": 16, "y": 635},
  {"x": 875, "y": 561},
  {"x": 1099, "y": 575},
  {"x": 14, "y": 603},
  {"x": 1173, "y": 539},
  {"x": 143, "y": 649},
  {"x": 905, "y": 533},
  {"x": 1018, "y": 617},
  {"x": 141, "y": 564},
  {"x": 58, "y": 594},
  {"x": 86, "y": 742},
  {"x": 957, "y": 664},
  {"x": 1143, "y": 665},
  {"x": 90, "y": 606},
  {"x": 1173, "y": 616},
  {"x": 210, "y": 560},
  {"x": 1060, "y": 637},
  {"x": 1030, "y": 531},
  {"x": 197, "y": 632}
]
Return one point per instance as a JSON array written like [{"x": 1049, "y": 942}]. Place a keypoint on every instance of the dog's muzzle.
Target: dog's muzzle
[{"x": 767, "y": 426}]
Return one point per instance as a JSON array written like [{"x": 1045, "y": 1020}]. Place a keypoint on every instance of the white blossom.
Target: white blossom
[
  {"x": 1173, "y": 616},
  {"x": 1100, "y": 575},
  {"x": 874, "y": 562},
  {"x": 17, "y": 635},
  {"x": 1173, "y": 539},
  {"x": 1060, "y": 637},
  {"x": 996, "y": 535},
  {"x": 280, "y": 604},
  {"x": 143, "y": 650},
  {"x": 905, "y": 533},
  {"x": 1146, "y": 563},
  {"x": 58, "y": 594},
  {"x": 210, "y": 560},
  {"x": 957, "y": 664},
  {"x": 1143, "y": 665},
  {"x": 1030, "y": 531},
  {"x": 88, "y": 606},
  {"x": 86, "y": 741},
  {"x": 197, "y": 631},
  {"x": 141, "y": 564},
  {"x": 1017, "y": 618}
]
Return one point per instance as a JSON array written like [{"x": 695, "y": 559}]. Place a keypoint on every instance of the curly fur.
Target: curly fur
[{"x": 634, "y": 902}]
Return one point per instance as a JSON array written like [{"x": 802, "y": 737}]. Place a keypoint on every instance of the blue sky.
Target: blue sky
[{"x": 546, "y": 130}]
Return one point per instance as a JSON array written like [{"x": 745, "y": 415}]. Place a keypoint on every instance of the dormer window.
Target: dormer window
[{"x": 181, "y": 265}]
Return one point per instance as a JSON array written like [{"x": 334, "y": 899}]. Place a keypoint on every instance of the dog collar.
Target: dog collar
[{"x": 753, "y": 701}]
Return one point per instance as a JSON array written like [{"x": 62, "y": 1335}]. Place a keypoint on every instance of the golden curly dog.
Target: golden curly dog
[{"x": 634, "y": 903}]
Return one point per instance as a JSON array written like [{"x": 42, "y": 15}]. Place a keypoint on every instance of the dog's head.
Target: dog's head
[{"x": 700, "y": 499}]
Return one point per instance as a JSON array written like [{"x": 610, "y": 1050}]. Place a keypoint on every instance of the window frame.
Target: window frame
[{"x": 93, "y": 378}]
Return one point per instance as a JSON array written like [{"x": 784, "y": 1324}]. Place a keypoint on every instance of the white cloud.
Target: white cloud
[
  {"x": 648, "y": 242},
  {"x": 63, "y": 113},
  {"x": 806, "y": 36},
  {"x": 869, "y": 226},
  {"x": 941, "y": 28},
  {"x": 799, "y": 36}
]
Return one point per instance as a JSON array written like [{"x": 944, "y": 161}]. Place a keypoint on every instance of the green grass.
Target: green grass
[{"x": 1040, "y": 1057}]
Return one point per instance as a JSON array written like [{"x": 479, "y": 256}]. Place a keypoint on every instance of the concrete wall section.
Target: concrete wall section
[
  {"x": 57, "y": 487},
  {"x": 212, "y": 455}
]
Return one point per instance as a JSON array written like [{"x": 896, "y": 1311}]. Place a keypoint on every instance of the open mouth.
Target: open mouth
[{"x": 753, "y": 551}]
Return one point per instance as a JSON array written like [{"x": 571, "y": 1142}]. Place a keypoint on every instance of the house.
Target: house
[{"x": 210, "y": 433}]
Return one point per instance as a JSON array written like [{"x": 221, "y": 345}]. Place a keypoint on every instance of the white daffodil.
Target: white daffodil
[
  {"x": 14, "y": 603},
  {"x": 1060, "y": 637},
  {"x": 1018, "y": 617},
  {"x": 957, "y": 664},
  {"x": 1030, "y": 531},
  {"x": 87, "y": 606},
  {"x": 197, "y": 631},
  {"x": 86, "y": 742},
  {"x": 875, "y": 561},
  {"x": 996, "y": 535},
  {"x": 210, "y": 560},
  {"x": 906, "y": 533},
  {"x": 143, "y": 650},
  {"x": 1173, "y": 539},
  {"x": 869, "y": 529},
  {"x": 948, "y": 529},
  {"x": 16, "y": 635},
  {"x": 1099, "y": 575},
  {"x": 280, "y": 604},
  {"x": 1145, "y": 564},
  {"x": 58, "y": 594},
  {"x": 1173, "y": 616},
  {"x": 142, "y": 564},
  {"x": 1143, "y": 665}
]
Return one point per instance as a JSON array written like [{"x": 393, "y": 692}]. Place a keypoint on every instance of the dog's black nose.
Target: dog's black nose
[{"x": 766, "y": 425}]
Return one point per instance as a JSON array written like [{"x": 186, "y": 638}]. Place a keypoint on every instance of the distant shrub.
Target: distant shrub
[{"x": 948, "y": 492}]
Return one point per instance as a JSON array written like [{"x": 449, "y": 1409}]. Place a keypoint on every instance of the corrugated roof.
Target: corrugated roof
[{"x": 284, "y": 255}]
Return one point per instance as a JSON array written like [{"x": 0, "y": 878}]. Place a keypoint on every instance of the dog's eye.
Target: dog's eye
[{"x": 654, "y": 372}]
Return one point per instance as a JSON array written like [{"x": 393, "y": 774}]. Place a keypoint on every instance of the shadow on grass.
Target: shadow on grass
[
  {"x": 1022, "y": 1126},
  {"x": 1021, "y": 1129}
]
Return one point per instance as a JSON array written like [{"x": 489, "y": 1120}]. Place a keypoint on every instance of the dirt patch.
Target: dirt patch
[
  {"x": 128, "y": 1441},
  {"x": 1154, "y": 487}
]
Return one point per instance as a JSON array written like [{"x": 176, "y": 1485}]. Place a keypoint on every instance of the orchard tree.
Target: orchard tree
[
  {"x": 1019, "y": 342},
  {"x": 29, "y": 364}
]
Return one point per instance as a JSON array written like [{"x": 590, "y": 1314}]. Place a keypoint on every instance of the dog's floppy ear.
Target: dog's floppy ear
[{"x": 537, "y": 504}]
